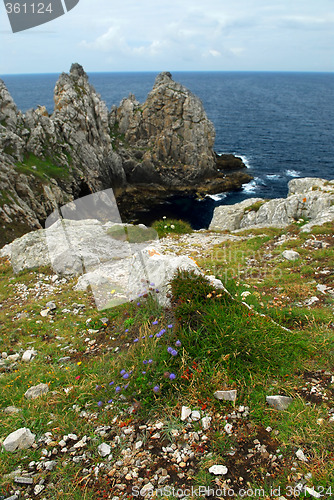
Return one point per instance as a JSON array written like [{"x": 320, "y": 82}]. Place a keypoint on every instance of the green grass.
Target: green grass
[
  {"x": 132, "y": 234},
  {"x": 167, "y": 227},
  {"x": 42, "y": 168},
  {"x": 220, "y": 343}
]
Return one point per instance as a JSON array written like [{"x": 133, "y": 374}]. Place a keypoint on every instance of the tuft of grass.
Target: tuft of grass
[
  {"x": 42, "y": 168},
  {"x": 166, "y": 227}
]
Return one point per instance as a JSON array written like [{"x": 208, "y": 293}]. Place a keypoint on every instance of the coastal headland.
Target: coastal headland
[{"x": 146, "y": 152}]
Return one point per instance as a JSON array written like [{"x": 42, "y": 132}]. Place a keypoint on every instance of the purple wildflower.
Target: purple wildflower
[
  {"x": 136, "y": 340},
  {"x": 99, "y": 403},
  {"x": 118, "y": 389},
  {"x": 138, "y": 303},
  {"x": 111, "y": 383},
  {"x": 144, "y": 373},
  {"x": 122, "y": 372},
  {"x": 150, "y": 336},
  {"x": 126, "y": 386},
  {"x": 127, "y": 330},
  {"x": 145, "y": 362},
  {"x": 178, "y": 343},
  {"x": 150, "y": 360},
  {"x": 155, "y": 322},
  {"x": 173, "y": 352},
  {"x": 172, "y": 376},
  {"x": 169, "y": 349},
  {"x": 110, "y": 401},
  {"x": 126, "y": 375},
  {"x": 170, "y": 326},
  {"x": 156, "y": 388}
]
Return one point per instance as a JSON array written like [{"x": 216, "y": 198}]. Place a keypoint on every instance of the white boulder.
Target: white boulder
[{"x": 19, "y": 440}]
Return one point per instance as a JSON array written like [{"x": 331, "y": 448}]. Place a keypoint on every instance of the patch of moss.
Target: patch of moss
[
  {"x": 256, "y": 206},
  {"x": 132, "y": 234},
  {"x": 42, "y": 168}
]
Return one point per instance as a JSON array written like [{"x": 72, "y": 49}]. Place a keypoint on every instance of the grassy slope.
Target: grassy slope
[{"x": 220, "y": 344}]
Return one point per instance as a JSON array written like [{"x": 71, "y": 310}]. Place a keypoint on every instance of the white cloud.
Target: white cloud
[{"x": 188, "y": 35}]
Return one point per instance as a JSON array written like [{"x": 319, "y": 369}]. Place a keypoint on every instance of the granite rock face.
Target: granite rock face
[
  {"x": 48, "y": 160},
  {"x": 170, "y": 137},
  {"x": 309, "y": 199}
]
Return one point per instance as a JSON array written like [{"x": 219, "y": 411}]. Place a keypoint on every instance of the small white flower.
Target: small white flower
[
  {"x": 164, "y": 217},
  {"x": 245, "y": 294},
  {"x": 172, "y": 226},
  {"x": 165, "y": 227}
]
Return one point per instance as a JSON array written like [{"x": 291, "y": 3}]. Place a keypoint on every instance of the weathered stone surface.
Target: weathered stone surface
[
  {"x": 185, "y": 412},
  {"x": 36, "y": 391},
  {"x": 291, "y": 255},
  {"x": 12, "y": 409},
  {"x": 308, "y": 199},
  {"x": 230, "y": 216},
  {"x": 117, "y": 269},
  {"x": 19, "y": 440},
  {"x": 104, "y": 449},
  {"x": 279, "y": 402},
  {"x": 170, "y": 134},
  {"x": 28, "y": 355},
  {"x": 226, "y": 395}
]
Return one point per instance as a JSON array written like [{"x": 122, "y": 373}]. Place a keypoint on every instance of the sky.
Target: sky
[{"x": 170, "y": 35}]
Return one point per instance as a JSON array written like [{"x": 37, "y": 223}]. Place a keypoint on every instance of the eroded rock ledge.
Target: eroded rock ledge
[
  {"x": 145, "y": 152},
  {"x": 310, "y": 202}
]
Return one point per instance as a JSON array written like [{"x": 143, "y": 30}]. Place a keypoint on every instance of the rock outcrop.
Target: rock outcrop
[
  {"x": 168, "y": 138},
  {"x": 119, "y": 262},
  {"x": 309, "y": 200},
  {"x": 164, "y": 144}
]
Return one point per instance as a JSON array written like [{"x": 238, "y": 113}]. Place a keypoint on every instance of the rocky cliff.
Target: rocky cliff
[
  {"x": 145, "y": 152},
  {"x": 310, "y": 202}
]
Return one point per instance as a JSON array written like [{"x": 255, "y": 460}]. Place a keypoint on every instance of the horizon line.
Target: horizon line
[{"x": 175, "y": 71}]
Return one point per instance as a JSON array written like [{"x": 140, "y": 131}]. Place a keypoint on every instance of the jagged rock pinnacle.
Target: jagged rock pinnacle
[{"x": 77, "y": 70}]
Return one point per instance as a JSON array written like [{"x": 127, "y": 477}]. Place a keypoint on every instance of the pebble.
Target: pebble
[
  {"x": 218, "y": 470},
  {"x": 38, "y": 488},
  {"x": 28, "y": 355},
  {"x": 185, "y": 412},
  {"x": 104, "y": 449},
  {"x": 279, "y": 402},
  {"x": 36, "y": 391},
  {"x": 228, "y": 428},
  {"x": 300, "y": 455},
  {"x": 206, "y": 422},
  {"x": 226, "y": 395},
  {"x": 195, "y": 415}
]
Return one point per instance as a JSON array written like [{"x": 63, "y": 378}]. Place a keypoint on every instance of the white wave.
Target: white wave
[
  {"x": 250, "y": 187},
  {"x": 273, "y": 177},
  {"x": 292, "y": 173},
  {"x": 217, "y": 197},
  {"x": 244, "y": 159}
]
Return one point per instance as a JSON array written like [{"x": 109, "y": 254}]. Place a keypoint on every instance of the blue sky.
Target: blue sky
[{"x": 188, "y": 35}]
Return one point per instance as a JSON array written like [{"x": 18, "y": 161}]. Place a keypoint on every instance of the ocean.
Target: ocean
[{"x": 280, "y": 124}]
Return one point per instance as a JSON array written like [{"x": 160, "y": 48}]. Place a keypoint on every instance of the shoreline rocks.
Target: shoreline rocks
[{"x": 310, "y": 201}]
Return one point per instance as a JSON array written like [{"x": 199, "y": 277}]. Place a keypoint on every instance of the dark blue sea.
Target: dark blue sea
[{"x": 280, "y": 124}]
